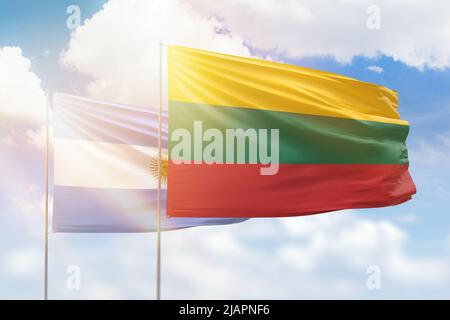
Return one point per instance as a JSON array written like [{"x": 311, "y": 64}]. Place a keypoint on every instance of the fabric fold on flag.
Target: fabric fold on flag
[{"x": 106, "y": 168}]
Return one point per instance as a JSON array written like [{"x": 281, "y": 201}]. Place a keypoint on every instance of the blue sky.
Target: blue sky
[
  {"x": 39, "y": 27},
  {"x": 415, "y": 234}
]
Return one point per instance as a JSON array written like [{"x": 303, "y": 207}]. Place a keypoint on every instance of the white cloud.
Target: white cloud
[
  {"x": 47, "y": 53},
  {"x": 22, "y": 100},
  {"x": 339, "y": 29},
  {"x": 359, "y": 242},
  {"x": 119, "y": 46},
  {"x": 431, "y": 271},
  {"x": 23, "y": 263},
  {"x": 323, "y": 256},
  {"x": 7, "y": 140},
  {"x": 406, "y": 218},
  {"x": 28, "y": 205},
  {"x": 326, "y": 259},
  {"x": 21, "y": 95},
  {"x": 376, "y": 69},
  {"x": 30, "y": 201},
  {"x": 38, "y": 136},
  {"x": 103, "y": 292}
]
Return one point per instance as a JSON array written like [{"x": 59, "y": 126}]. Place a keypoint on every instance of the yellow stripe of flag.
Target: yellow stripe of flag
[{"x": 204, "y": 77}]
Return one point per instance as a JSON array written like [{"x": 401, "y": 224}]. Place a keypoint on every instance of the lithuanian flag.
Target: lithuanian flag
[{"x": 253, "y": 138}]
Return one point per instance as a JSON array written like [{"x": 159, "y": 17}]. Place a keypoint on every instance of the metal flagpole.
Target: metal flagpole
[
  {"x": 46, "y": 196},
  {"x": 158, "y": 217}
]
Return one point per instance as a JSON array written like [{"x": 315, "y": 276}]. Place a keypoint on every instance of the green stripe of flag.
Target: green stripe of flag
[{"x": 304, "y": 139}]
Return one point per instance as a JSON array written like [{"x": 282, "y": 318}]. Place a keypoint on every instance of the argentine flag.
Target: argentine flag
[{"x": 106, "y": 169}]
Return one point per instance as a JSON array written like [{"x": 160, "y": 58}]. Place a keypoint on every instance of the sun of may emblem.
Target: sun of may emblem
[{"x": 164, "y": 166}]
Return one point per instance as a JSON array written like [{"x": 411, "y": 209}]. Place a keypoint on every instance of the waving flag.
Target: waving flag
[
  {"x": 106, "y": 169},
  {"x": 311, "y": 141}
]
